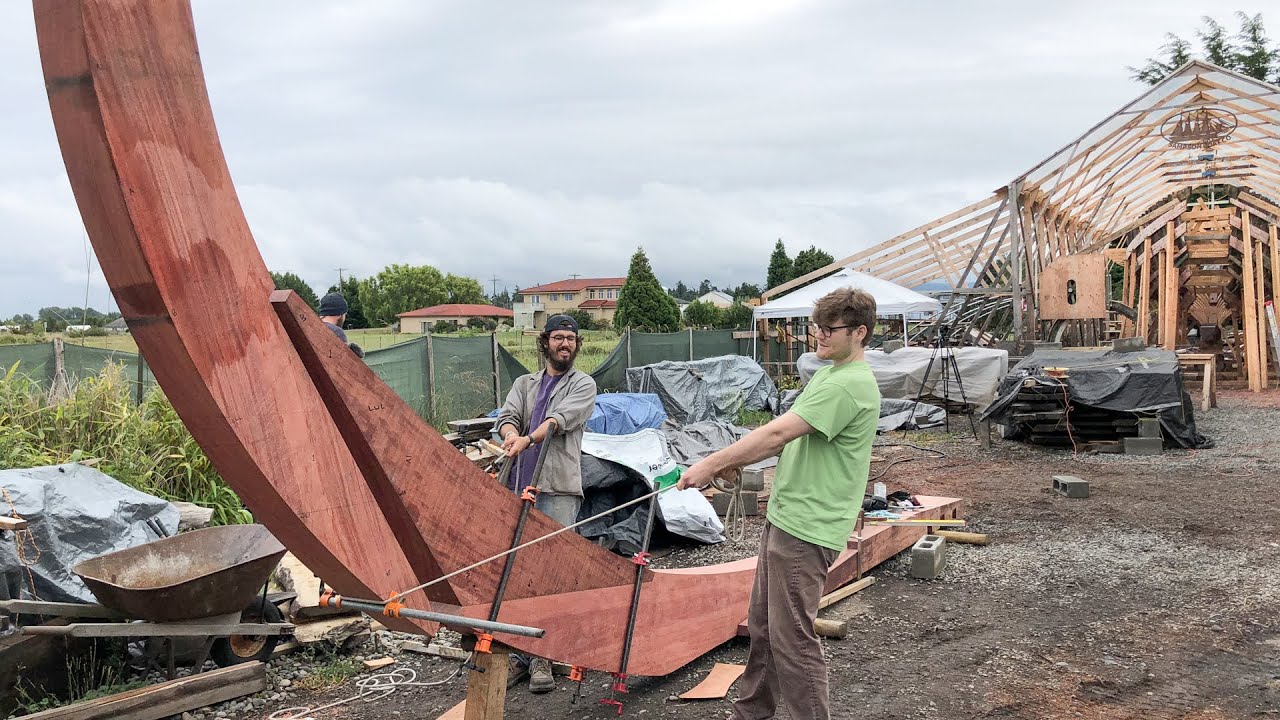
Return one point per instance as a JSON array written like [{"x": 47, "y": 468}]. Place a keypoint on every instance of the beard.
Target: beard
[{"x": 562, "y": 366}]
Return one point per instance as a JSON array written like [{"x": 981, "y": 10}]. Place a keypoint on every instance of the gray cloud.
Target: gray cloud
[{"x": 535, "y": 140}]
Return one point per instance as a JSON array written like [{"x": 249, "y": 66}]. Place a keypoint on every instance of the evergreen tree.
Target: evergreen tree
[
  {"x": 809, "y": 260},
  {"x": 1250, "y": 54},
  {"x": 290, "y": 281},
  {"x": 737, "y": 316},
  {"x": 643, "y": 304},
  {"x": 780, "y": 268},
  {"x": 350, "y": 289}
]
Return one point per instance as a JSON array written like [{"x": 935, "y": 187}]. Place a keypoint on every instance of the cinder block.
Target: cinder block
[
  {"x": 752, "y": 480},
  {"x": 1129, "y": 344},
  {"x": 1149, "y": 428},
  {"x": 1070, "y": 486},
  {"x": 750, "y": 502},
  {"x": 1143, "y": 446},
  {"x": 891, "y": 346},
  {"x": 1048, "y": 346},
  {"x": 928, "y": 557}
]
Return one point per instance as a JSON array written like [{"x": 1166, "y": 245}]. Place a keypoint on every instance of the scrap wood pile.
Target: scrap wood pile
[{"x": 472, "y": 438}]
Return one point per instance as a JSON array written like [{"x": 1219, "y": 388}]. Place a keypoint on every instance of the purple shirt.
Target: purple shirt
[{"x": 528, "y": 460}]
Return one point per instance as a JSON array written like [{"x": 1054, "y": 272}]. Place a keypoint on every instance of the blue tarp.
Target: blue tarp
[{"x": 623, "y": 413}]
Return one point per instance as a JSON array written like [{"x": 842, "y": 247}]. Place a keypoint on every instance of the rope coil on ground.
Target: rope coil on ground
[{"x": 371, "y": 688}]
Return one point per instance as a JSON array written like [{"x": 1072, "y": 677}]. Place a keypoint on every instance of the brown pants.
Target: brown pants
[{"x": 785, "y": 663}]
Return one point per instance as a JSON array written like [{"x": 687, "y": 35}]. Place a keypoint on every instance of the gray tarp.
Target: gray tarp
[
  {"x": 713, "y": 389},
  {"x": 899, "y": 373},
  {"x": 894, "y": 413},
  {"x": 76, "y": 513},
  {"x": 694, "y": 441}
]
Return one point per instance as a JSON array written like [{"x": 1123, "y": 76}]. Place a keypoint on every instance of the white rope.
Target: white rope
[{"x": 373, "y": 687}]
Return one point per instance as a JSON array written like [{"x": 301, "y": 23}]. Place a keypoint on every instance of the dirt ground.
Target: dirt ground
[{"x": 1156, "y": 597}]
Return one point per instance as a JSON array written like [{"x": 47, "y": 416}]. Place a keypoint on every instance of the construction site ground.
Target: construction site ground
[{"x": 1156, "y": 597}]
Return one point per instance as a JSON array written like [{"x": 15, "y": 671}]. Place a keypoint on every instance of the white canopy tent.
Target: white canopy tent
[{"x": 892, "y": 300}]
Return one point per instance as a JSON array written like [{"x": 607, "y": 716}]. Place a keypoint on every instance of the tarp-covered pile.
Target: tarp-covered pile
[
  {"x": 75, "y": 514},
  {"x": 900, "y": 373},
  {"x": 712, "y": 389},
  {"x": 1147, "y": 383}
]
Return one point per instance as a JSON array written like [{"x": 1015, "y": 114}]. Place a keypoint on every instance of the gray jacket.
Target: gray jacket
[{"x": 570, "y": 405}]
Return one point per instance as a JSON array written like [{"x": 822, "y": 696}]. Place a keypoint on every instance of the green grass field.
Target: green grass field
[{"x": 596, "y": 344}]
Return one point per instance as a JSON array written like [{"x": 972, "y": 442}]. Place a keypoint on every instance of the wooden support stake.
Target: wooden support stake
[
  {"x": 1260, "y": 285},
  {"x": 487, "y": 690},
  {"x": 831, "y": 628},
  {"x": 1144, "y": 293},
  {"x": 1161, "y": 304}
]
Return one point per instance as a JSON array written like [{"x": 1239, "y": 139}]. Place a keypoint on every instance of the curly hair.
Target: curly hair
[{"x": 846, "y": 306}]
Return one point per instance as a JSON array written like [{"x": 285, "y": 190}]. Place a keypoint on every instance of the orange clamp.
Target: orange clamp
[
  {"x": 484, "y": 643},
  {"x": 575, "y": 673},
  {"x": 393, "y": 608},
  {"x": 641, "y": 558},
  {"x": 329, "y": 599},
  {"x": 530, "y": 494}
]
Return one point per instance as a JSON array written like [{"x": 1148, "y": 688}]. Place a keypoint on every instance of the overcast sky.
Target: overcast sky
[{"x": 535, "y": 140}]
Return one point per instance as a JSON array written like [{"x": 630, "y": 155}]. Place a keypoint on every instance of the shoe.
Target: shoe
[
  {"x": 517, "y": 670},
  {"x": 540, "y": 678}
]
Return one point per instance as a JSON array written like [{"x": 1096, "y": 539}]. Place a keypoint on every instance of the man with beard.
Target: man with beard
[{"x": 551, "y": 406}]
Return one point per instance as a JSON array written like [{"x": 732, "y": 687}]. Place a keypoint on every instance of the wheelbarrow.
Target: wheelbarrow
[{"x": 202, "y": 584}]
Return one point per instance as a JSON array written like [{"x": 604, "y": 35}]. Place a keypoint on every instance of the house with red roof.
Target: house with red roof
[
  {"x": 597, "y": 296},
  {"x": 420, "y": 320}
]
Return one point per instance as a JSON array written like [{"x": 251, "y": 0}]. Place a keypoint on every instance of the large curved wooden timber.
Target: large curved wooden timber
[{"x": 339, "y": 468}]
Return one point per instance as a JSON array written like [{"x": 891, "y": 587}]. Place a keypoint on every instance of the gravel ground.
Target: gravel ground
[{"x": 1156, "y": 597}]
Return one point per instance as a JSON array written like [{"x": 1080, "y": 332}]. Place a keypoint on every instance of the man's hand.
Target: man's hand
[
  {"x": 516, "y": 444},
  {"x": 698, "y": 476}
]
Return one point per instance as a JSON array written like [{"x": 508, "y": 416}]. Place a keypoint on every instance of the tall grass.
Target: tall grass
[{"x": 96, "y": 422}]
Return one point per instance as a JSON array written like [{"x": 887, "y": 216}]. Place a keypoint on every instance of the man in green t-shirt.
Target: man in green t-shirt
[{"x": 825, "y": 440}]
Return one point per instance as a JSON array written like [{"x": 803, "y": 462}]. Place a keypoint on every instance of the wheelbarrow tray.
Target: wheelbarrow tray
[{"x": 199, "y": 574}]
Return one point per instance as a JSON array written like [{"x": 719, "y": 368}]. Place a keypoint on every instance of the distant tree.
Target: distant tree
[
  {"x": 701, "y": 314},
  {"x": 736, "y": 317},
  {"x": 1250, "y": 54},
  {"x": 746, "y": 291},
  {"x": 704, "y": 287},
  {"x": 56, "y": 319},
  {"x": 350, "y": 289},
  {"x": 463, "y": 289},
  {"x": 809, "y": 260},
  {"x": 780, "y": 267},
  {"x": 401, "y": 288},
  {"x": 643, "y": 304},
  {"x": 482, "y": 323},
  {"x": 583, "y": 318},
  {"x": 290, "y": 281},
  {"x": 683, "y": 292}
]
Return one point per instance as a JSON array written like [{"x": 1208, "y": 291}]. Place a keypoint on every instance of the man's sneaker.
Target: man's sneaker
[
  {"x": 517, "y": 670},
  {"x": 540, "y": 678}
]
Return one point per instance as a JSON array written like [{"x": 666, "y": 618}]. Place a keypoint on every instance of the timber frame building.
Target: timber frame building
[{"x": 1175, "y": 193}]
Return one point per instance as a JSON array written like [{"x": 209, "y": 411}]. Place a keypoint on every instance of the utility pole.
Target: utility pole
[
  {"x": 575, "y": 276},
  {"x": 340, "y": 270},
  {"x": 495, "y": 280}
]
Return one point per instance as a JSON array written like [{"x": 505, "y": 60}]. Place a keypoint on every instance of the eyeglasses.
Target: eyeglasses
[
  {"x": 563, "y": 339},
  {"x": 826, "y": 330}
]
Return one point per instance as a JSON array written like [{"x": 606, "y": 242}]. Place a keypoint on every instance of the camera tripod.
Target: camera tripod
[{"x": 944, "y": 354}]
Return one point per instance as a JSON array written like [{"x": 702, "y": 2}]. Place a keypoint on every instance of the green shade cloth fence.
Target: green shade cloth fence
[{"x": 442, "y": 378}]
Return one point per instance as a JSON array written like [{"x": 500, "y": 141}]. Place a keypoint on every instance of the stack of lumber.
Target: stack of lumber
[
  {"x": 472, "y": 438},
  {"x": 1042, "y": 413}
]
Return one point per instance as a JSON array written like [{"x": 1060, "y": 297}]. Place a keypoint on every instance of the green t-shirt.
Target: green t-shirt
[{"x": 822, "y": 476}]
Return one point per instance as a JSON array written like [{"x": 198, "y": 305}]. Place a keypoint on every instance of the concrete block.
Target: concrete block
[
  {"x": 752, "y": 480},
  {"x": 1048, "y": 346},
  {"x": 890, "y": 346},
  {"x": 750, "y": 501},
  {"x": 1070, "y": 486},
  {"x": 1129, "y": 344},
  {"x": 928, "y": 557},
  {"x": 1149, "y": 428},
  {"x": 1143, "y": 446}
]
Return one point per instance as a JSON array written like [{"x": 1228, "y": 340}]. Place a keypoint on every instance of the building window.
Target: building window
[
  {"x": 568, "y": 297},
  {"x": 613, "y": 294},
  {"x": 537, "y": 299},
  {"x": 592, "y": 294}
]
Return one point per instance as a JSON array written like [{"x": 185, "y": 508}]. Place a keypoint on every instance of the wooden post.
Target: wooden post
[
  {"x": 142, "y": 375},
  {"x": 431, "y": 380},
  {"x": 1161, "y": 306},
  {"x": 1126, "y": 296},
  {"x": 1263, "y": 364},
  {"x": 1015, "y": 256},
  {"x": 1144, "y": 293},
  {"x": 487, "y": 689},
  {"x": 1170, "y": 313},
  {"x": 497, "y": 371},
  {"x": 1250, "y": 305}
]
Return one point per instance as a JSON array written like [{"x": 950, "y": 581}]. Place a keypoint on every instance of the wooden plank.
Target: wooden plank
[
  {"x": 1144, "y": 292},
  {"x": 716, "y": 684},
  {"x": 1259, "y": 289},
  {"x": 379, "y": 663},
  {"x": 1169, "y": 306},
  {"x": 834, "y": 597},
  {"x": 487, "y": 687},
  {"x": 457, "y": 712},
  {"x": 1089, "y": 273},
  {"x": 12, "y": 523},
  {"x": 966, "y": 538},
  {"x": 167, "y": 698}
]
